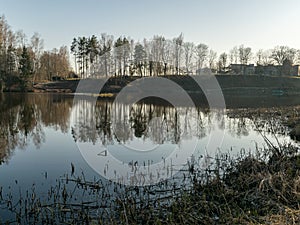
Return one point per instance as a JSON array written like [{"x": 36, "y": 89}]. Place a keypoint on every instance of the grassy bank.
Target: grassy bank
[
  {"x": 238, "y": 91},
  {"x": 251, "y": 191},
  {"x": 229, "y": 83}
]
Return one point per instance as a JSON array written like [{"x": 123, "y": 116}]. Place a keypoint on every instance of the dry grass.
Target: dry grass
[
  {"x": 252, "y": 191},
  {"x": 260, "y": 189}
]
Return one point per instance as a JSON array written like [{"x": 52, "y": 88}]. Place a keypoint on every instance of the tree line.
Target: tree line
[
  {"x": 25, "y": 60},
  {"x": 105, "y": 56}
]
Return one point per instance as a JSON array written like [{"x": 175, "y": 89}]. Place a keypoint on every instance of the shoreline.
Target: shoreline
[
  {"x": 230, "y": 84},
  {"x": 238, "y": 91}
]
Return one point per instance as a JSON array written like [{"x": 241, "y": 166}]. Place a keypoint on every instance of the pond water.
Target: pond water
[{"x": 44, "y": 136}]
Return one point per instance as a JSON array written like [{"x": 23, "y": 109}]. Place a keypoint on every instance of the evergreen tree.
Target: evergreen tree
[
  {"x": 74, "y": 50},
  {"x": 25, "y": 68},
  {"x": 139, "y": 57},
  {"x": 11, "y": 60}
]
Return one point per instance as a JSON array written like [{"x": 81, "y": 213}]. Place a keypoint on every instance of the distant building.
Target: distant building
[
  {"x": 287, "y": 69},
  {"x": 204, "y": 71},
  {"x": 295, "y": 71},
  {"x": 272, "y": 70},
  {"x": 242, "y": 69}
]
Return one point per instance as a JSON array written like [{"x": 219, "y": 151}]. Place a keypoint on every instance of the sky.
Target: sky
[{"x": 259, "y": 24}]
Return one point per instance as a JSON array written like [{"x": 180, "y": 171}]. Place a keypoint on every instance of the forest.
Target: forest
[
  {"x": 106, "y": 56},
  {"x": 24, "y": 61}
]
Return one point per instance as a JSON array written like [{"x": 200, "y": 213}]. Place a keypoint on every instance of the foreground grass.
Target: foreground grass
[
  {"x": 260, "y": 188},
  {"x": 252, "y": 190}
]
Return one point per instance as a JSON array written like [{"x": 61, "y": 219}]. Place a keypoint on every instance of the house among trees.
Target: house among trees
[
  {"x": 204, "y": 71},
  {"x": 242, "y": 69},
  {"x": 286, "y": 69}
]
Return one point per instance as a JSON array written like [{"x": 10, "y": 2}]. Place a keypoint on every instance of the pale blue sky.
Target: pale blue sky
[{"x": 220, "y": 24}]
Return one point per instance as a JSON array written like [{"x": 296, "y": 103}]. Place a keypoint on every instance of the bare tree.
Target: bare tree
[
  {"x": 63, "y": 64},
  {"x": 189, "y": 49},
  {"x": 178, "y": 42},
  {"x": 166, "y": 54},
  {"x": 263, "y": 57},
  {"x": 148, "y": 59},
  {"x": 4, "y": 30},
  {"x": 131, "y": 57},
  {"x": 105, "y": 47},
  {"x": 201, "y": 53},
  {"x": 297, "y": 57},
  {"x": 234, "y": 55},
  {"x": 37, "y": 46},
  {"x": 212, "y": 55},
  {"x": 54, "y": 62},
  {"x": 282, "y": 53},
  {"x": 157, "y": 50},
  {"x": 126, "y": 53},
  {"x": 21, "y": 38},
  {"x": 244, "y": 54},
  {"x": 222, "y": 64}
]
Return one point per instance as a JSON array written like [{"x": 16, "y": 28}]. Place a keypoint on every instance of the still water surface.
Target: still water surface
[{"x": 41, "y": 135}]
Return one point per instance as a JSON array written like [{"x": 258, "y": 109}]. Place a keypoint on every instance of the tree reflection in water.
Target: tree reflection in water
[
  {"x": 24, "y": 117},
  {"x": 128, "y": 133},
  {"x": 108, "y": 122}
]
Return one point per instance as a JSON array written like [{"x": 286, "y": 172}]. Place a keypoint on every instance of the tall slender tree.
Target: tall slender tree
[
  {"x": 37, "y": 45},
  {"x": 189, "y": 49},
  {"x": 139, "y": 58},
  {"x": 212, "y": 55},
  {"x": 26, "y": 67},
  {"x": 105, "y": 47},
  {"x": 201, "y": 53},
  {"x": 75, "y": 51},
  {"x": 245, "y": 54},
  {"x": 93, "y": 52},
  {"x": 178, "y": 42},
  {"x": 222, "y": 64}
]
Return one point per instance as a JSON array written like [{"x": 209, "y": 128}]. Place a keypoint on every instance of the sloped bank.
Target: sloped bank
[
  {"x": 229, "y": 83},
  {"x": 238, "y": 90}
]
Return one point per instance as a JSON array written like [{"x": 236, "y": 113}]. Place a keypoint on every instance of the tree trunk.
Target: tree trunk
[
  {"x": 1, "y": 86},
  {"x": 165, "y": 69},
  {"x": 140, "y": 68}
]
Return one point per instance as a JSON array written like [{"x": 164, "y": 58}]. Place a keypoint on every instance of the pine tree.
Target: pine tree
[
  {"x": 139, "y": 57},
  {"x": 25, "y": 68},
  {"x": 11, "y": 60}
]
